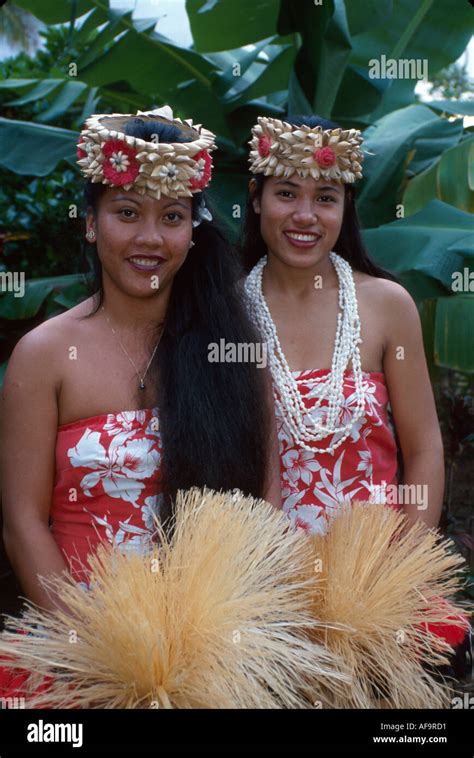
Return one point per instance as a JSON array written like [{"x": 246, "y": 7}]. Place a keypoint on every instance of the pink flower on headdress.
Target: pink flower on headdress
[
  {"x": 203, "y": 170},
  {"x": 325, "y": 157},
  {"x": 120, "y": 165},
  {"x": 80, "y": 151},
  {"x": 264, "y": 145}
]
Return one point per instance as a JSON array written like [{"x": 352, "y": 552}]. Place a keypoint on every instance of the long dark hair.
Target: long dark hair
[
  {"x": 213, "y": 417},
  {"x": 349, "y": 244}
]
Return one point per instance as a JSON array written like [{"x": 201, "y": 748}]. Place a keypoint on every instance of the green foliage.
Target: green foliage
[
  {"x": 401, "y": 144},
  {"x": 32, "y": 79},
  {"x": 451, "y": 179},
  {"x": 305, "y": 57},
  {"x": 44, "y": 295},
  {"x": 39, "y": 210}
]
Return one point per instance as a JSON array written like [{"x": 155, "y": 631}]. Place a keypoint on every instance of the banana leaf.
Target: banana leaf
[
  {"x": 454, "y": 332},
  {"x": 34, "y": 149},
  {"x": 37, "y": 291},
  {"x": 423, "y": 244},
  {"x": 451, "y": 179}
]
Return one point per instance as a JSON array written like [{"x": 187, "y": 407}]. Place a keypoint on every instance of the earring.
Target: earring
[
  {"x": 191, "y": 244},
  {"x": 90, "y": 235}
]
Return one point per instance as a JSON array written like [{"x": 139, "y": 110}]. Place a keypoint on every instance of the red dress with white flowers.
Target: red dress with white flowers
[
  {"x": 364, "y": 467},
  {"x": 314, "y": 485},
  {"x": 106, "y": 486},
  {"x": 106, "y": 489}
]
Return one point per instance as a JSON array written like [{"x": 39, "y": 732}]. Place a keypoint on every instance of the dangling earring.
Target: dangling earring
[
  {"x": 191, "y": 244},
  {"x": 90, "y": 235}
]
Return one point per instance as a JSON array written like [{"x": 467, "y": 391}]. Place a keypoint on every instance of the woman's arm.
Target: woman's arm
[
  {"x": 29, "y": 421},
  {"x": 414, "y": 410}
]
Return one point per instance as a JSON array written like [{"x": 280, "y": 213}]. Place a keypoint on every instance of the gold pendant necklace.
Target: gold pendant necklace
[{"x": 140, "y": 377}]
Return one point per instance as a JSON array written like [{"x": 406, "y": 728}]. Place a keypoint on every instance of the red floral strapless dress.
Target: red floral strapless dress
[
  {"x": 106, "y": 490},
  {"x": 363, "y": 467},
  {"x": 107, "y": 484},
  {"x": 314, "y": 485}
]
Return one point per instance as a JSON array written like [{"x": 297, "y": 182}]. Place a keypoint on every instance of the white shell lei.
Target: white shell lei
[{"x": 288, "y": 400}]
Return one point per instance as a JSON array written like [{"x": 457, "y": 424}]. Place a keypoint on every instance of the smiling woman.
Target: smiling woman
[
  {"x": 345, "y": 345},
  {"x": 130, "y": 239},
  {"x": 112, "y": 407}
]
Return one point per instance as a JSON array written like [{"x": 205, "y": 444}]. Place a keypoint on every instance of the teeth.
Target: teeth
[
  {"x": 304, "y": 237},
  {"x": 145, "y": 261}
]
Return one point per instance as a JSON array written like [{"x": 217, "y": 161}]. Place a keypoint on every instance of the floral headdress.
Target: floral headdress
[
  {"x": 175, "y": 169},
  {"x": 282, "y": 149}
]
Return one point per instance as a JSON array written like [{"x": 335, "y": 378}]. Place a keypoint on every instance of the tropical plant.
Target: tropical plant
[{"x": 286, "y": 57}]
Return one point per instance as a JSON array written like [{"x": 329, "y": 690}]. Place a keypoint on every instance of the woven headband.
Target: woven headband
[
  {"x": 282, "y": 149},
  {"x": 175, "y": 169}
]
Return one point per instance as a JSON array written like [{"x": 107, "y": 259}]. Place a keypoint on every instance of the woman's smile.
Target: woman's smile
[
  {"x": 302, "y": 239},
  {"x": 145, "y": 262}
]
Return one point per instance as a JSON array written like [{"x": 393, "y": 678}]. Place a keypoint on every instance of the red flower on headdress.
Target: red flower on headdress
[
  {"x": 120, "y": 165},
  {"x": 80, "y": 152},
  {"x": 203, "y": 170},
  {"x": 264, "y": 145},
  {"x": 325, "y": 157}
]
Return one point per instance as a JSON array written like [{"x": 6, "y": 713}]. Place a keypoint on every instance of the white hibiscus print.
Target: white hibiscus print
[
  {"x": 153, "y": 426},
  {"x": 318, "y": 414},
  {"x": 299, "y": 464},
  {"x": 365, "y": 463},
  {"x": 285, "y": 439},
  {"x": 372, "y": 404},
  {"x": 333, "y": 493},
  {"x": 347, "y": 413},
  {"x": 316, "y": 487},
  {"x": 128, "y": 537},
  {"x": 291, "y": 498},
  {"x": 120, "y": 470},
  {"x": 123, "y": 422},
  {"x": 288, "y": 488},
  {"x": 311, "y": 518}
]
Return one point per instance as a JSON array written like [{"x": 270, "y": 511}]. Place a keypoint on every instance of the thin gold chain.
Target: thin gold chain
[{"x": 141, "y": 378}]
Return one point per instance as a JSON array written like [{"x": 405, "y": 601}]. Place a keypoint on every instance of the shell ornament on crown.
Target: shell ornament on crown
[{"x": 282, "y": 149}]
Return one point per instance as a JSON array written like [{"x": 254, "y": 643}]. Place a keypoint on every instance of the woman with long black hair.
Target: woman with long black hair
[
  {"x": 111, "y": 407},
  {"x": 345, "y": 345},
  {"x": 344, "y": 338}
]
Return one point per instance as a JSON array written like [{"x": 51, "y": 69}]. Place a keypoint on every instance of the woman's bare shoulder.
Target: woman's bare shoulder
[
  {"x": 37, "y": 349},
  {"x": 387, "y": 292}
]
